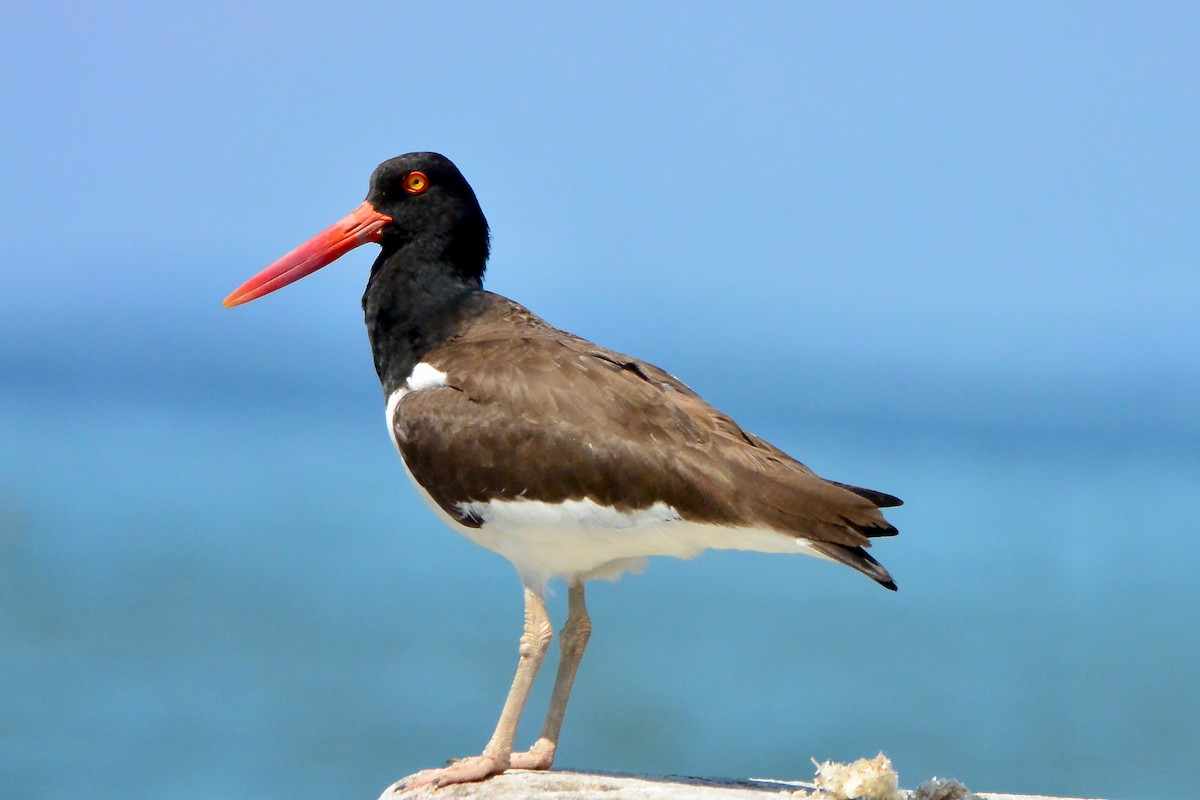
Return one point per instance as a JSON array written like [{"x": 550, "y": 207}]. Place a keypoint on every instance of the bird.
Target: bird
[{"x": 570, "y": 460}]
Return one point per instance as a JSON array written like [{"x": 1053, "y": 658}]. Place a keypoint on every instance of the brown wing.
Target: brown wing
[{"x": 547, "y": 416}]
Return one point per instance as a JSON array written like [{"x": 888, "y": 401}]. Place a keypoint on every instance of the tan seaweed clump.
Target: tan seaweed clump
[{"x": 865, "y": 779}]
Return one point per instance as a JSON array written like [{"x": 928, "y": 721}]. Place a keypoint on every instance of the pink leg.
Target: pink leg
[
  {"x": 573, "y": 640},
  {"x": 535, "y": 641}
]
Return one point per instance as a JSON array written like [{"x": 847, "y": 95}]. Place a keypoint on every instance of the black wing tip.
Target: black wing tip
[
  {"x": 873, "y": 530},
  {"x": 860, "y": 560},
  {"x": 880, "y": 499},
  {"x": 879, "y": 574}
]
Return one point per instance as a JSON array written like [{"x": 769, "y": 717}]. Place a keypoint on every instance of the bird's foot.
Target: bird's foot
[
  {"x": 464, "y": 770},
  {"x": 540, "y": 756}
]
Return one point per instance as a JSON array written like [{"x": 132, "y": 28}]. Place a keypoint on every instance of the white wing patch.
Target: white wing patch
[{"x": 424, "y": 376}]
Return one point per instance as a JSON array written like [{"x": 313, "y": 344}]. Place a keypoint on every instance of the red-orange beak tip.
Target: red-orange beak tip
[{"x": 362, "y": 225}]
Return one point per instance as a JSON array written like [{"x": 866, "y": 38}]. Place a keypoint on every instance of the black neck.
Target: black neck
[{"x": 413, "y": 302}]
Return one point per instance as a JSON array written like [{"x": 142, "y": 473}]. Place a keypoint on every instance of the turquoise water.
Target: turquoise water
[{"x": 216, "y": 596}]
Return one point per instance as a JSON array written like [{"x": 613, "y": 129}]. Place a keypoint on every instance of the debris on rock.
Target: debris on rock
[
  {"x": 943, "y": 789},
  {"x": 865, "y": 779}
]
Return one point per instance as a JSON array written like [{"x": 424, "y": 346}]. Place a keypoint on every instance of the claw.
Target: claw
[{"x": 463, "y": 770}]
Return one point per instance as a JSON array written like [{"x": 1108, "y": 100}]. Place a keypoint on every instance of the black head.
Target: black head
[
  {"x": 433, "y": 210},
  {"x": 419, "y": 208}
]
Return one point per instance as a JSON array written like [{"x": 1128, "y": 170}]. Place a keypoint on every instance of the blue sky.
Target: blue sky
[{"x": 943, "y": 195}]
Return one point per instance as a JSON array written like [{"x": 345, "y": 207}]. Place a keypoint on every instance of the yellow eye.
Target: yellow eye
[{"x": 415, "y": 182}]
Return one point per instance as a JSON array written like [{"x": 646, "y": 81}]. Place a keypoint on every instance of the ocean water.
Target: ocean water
[{"x": 208, "y": 595}]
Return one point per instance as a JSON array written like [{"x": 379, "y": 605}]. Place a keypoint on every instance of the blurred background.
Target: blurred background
[{"x": 946, "y": 251}]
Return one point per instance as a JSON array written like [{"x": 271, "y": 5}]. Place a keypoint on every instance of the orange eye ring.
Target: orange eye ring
[{"x": 416, "y": 182}]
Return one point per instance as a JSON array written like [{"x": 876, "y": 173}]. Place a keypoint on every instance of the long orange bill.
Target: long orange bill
[{"x": 363, "y": 224}]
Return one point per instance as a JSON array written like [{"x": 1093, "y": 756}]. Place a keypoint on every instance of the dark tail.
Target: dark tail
[
  {"x": 880, "y": 499},
  {"x": 858, "y": 558}
]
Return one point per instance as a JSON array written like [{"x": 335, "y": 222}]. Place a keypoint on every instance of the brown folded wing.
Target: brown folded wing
[{"x": 537, "y": 414}]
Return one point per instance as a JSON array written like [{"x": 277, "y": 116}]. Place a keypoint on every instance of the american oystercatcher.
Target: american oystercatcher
[{"x": 568, "y": 459}]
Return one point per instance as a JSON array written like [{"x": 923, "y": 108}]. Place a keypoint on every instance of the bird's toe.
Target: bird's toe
[
  {"x": 463, "y": 770},
  {"x": 540, "y": 756}
]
